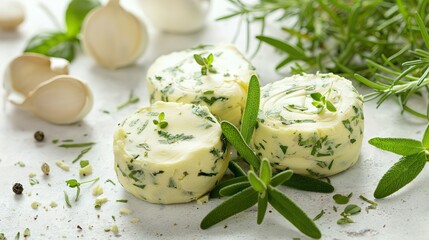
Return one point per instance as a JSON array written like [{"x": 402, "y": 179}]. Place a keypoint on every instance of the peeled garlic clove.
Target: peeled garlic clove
[
  {"x": 113, "y": 36},
  {"x": 61, "y": 100},
  {"x": 27, "y": 71},
  {"x": 11, "y": 14}
]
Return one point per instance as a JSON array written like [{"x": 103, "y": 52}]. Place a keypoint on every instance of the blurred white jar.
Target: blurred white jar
[{"x": 176, "y": 16}]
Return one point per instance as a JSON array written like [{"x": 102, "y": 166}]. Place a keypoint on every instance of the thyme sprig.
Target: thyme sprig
[
  {"x": 73, "y": 183},
  {"x": 205, "y": 63}
]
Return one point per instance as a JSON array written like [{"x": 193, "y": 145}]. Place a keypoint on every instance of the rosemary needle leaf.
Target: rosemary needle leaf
[
  {"x": 293, "y": 51},
  {"x": 256, "y": 182},
  {"x": 308, "y": 184},
  {"x": 425, "y": 140},
  {"x": 401, "y": 146},
  {"x": 265, "y": 172},
  {"x": 236, "y": 169},
  {"x": 251, "y": 109},
  {"x": 215, "y": 192},
  {"x": 236, "y": 204},
  {"x": 233, "y": 188},
  {"x": 236, "y": 139},
  {"x": 400, "y": 174},
  {"x": 281, "y": 178},
  {"x": 293, "y": 213},
  {"x": 262, "y": 206}
]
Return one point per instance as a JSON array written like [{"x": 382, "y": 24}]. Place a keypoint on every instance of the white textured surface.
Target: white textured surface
[{"x": 401, "y": 216}]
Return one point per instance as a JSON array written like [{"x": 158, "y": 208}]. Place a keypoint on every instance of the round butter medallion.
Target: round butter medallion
[
  {"x": 170, "y": 152},
  {"x": 298, "y": 128},
  {"x": 177, "y": 77}
]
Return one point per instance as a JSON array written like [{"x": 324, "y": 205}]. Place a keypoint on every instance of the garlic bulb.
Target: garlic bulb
[
  {"x": 11, "y": 14},
  {"x": 113, "y": 36},
  {"x": 62, "y": 100},
  {"x": 27, "y": 71}
]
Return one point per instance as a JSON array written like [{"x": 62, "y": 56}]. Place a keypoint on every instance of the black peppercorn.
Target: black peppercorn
[
  {"x": 39, "y": 136},
  {"x": 17, "y": 188}
]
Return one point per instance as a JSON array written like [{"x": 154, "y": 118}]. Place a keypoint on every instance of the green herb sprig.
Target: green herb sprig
[
  {"x": 131, "y": 100},
  {"x": 414, "y": 157},
  {"x": 381, "y": 42},
  {"x": 321, "y": 102},
  {"x": 205, "y": 63},
  {"x": 73, "y": 183},
  {"x": 349, "y": 210},
  {"x": 63, "y": 44},
  {"x": 258, "y": 186},
  {"x": 161, "y": 123}
]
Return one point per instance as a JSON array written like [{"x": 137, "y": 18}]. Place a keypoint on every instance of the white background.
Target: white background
[{"x": 404, "y": 215}]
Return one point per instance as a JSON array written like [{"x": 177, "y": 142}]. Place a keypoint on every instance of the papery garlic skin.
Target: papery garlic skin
[{"x": 113, "y": 36}]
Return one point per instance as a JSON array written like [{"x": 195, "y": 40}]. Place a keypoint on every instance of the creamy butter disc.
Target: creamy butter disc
[
  {"x": 177, "y": 77},
  {"x": 292, "y": 133},
  {"x": 175, "y": 164}
]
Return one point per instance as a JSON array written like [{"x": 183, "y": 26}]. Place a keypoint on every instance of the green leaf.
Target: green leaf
[
  {"x": 233, "y": 188},
  {"x": 400, "y": 174},
  {"x": 237, "y": 203},
  {"x": 55, "y": 44},
  {"x": 163, "y": 125},
  {"x": 76, "y": 13},
  {"x": 262, "y": 206},
  {"x": 352, "y": 209},
  {"x": 236, "y": 139},
  {"x": 344, "y": 220},
  {"x": 250, "y": 114},
  {"x": 292, "y": 213},
  {"x": 161, "y": 116},
  {"x": 422, "y": 29},
  {"x": 83, "y": 163},
  {"x": 215, "y": 192},
  {"x": 340, "y": 199},
  {"x": 293, "y": 51},
  {"x": 256, "y": 182},
  {"x": 236, "y": 169},
  {"x": 281, "y": 178},
  {"x": 425, "y": 140},
  {"x": 72, "y": 183},
  {"x": 316, "y": 96},
  {"x": 401, "y": 146},
  {"x": 199, "y": 60},
  {"x": 308, "y": 184},
  {"x": 265, "y": 172},
  {"x": 210, "y": 59},
  {"x": 330, "y": 106}
]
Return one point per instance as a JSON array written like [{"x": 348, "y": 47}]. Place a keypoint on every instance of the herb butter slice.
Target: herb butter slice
[
  {"x": 177, "y": 77},
  {"x": 296, "y": 131},
  {"x": 176, "y": 163}
]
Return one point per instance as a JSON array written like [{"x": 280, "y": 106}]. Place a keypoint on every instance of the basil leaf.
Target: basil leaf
[
  {"x": 233, "y": 188},
  {"x": 215, "y": 192},
  {"x": 237, "y": 203},
  {"x": 293, "y": 213},
  {"x": 425, "y": 141},
  {"x": 54, "y": 44},
  {"x": 236, "y": 139},
  {"x": 76, "y": 13},
  {"x": 262, "y": 206},
  {"x": 401, "y": 146},
  {"x": 400, "y": 174},
  {"x": 309, "y": 184},
  {"x": 248, "y": 120},
  {"x": 281, "y": 177},
  {"x": 256, "y": 182}
]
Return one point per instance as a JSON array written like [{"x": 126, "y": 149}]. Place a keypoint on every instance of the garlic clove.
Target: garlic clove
[
  {"x": 61, "y": 100},
  {"x": 27, "y": 71},
  {"x": 11, "y": 14},
  {"x": 113, "y": 36}
]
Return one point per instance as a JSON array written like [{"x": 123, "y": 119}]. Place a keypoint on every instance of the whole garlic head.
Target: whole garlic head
[
  {"x": 113, "y": 36},
  {"x": 11, "y": 14}
]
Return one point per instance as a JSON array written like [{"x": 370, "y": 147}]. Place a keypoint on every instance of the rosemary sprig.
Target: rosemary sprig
[{"x": 381, "y": 42}]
